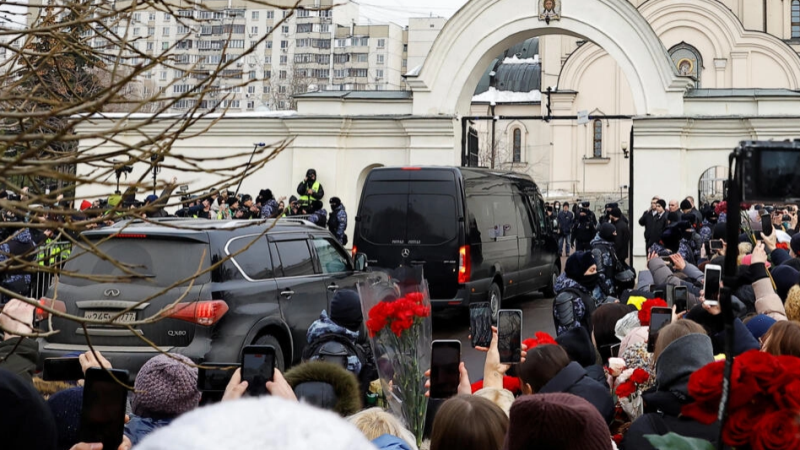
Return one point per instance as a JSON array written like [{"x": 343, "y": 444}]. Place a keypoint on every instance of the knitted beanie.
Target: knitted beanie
[
  {"x": 550, "y": 421},
  {"x": 793, "y": 304},
  {"x": 760, "y": 324},
  {"x": 166, "y": 385},
  {"x": 264, "y": 423},
  {"x": 66, "y": 408}
]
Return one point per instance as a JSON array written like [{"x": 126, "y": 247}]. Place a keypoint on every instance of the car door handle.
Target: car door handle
[
  {"x": 287, "y": 293},
  {"x": 333, "y": 287}
]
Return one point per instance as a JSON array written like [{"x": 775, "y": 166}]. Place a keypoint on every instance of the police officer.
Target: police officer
[{"x": 309, "y": 189}]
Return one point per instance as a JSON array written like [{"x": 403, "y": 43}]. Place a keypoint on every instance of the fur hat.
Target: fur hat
[
  {"x": 550, "y": 421},
  {"x": 166, "y": 385},
  {"x": 685, "y": 205},
  {"x": 265, "y": 423},
  {"x": 327, "y": 386},
  {"x": 578, "y": 263},
  {"x": 793, "y": 303}
]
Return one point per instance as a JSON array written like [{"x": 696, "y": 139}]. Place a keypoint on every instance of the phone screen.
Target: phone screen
[
  {"x": 509, "y": 336},
  {"x": 103, "y": 412},
  {"x": 766, "y": 224},
  {"x": 215, "y": 378},
  {"x": 712, "y": 280},
  {"x": 258, "y": 367},
  {"x": 62, "y": 369},
  {"x": 480, "y": 324},
  {"x": 659, "y": 318},
  {"x": 680, "y": 298},
  {"x": 445, "y": 358}
]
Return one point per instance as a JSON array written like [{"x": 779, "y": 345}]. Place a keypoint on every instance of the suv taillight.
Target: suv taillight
[
  {"x": 207, "y": 312},
  {"x": 464, "y": 266}
]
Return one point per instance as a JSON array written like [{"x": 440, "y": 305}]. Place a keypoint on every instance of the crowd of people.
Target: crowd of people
[{"x": 598, "y": 384}]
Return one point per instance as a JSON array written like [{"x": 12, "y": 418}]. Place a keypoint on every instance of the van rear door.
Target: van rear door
[{"x": 412, "y": 217}]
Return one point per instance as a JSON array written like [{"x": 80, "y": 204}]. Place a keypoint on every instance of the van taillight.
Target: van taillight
[
  {"x": 207, "y": 312},
  {"x": 464, "y": 266}
]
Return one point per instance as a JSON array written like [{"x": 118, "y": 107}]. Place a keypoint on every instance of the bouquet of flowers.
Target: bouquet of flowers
[
  {"x": 627, "y": 385},
  {"x": 399, "y": 326},
  {"x": 764, "y": 403}
]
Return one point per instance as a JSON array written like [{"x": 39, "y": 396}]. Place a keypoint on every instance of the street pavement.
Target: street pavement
[{"x": 537, "y": 315}]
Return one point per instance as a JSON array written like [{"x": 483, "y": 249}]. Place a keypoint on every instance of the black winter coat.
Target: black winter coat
[{"x": 574, "y": 380}]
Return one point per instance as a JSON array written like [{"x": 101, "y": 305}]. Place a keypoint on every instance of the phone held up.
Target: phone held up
[
  {"x": 711, "y": 284},
  {"x": 445, "y": 359},
  {"x": 659, "y": 318},
  {"x": 103, "y": 412},
  {"x": 258, "y": 367},
  {"x": 509, "y": 335},
  {"x": 480, "y": 324}
]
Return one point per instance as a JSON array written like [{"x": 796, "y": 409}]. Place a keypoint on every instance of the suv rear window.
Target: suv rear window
[
  {"x": 167, "y": 262},
  {"x": 422, "y": 219}
]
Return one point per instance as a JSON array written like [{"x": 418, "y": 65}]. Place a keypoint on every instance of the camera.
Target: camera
[{"x": 769, "y": 171}]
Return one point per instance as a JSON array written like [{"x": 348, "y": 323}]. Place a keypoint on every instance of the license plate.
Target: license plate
[{"x": 128, "y": 317}]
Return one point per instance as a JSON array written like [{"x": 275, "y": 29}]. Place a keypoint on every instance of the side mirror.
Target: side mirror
[{"x": 361, "y": 262}]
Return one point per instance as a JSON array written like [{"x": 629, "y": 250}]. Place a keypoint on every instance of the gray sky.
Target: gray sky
[{"x": 400, "y": 10}]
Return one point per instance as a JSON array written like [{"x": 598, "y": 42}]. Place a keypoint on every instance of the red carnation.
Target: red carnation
[
  {"x": 625, "y": 389},
  {"x": 644, "y": 313},
  {"x": 640, "y": 376}
]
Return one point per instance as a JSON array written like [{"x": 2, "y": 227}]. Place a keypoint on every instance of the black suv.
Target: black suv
[{"x": 268, "y": 293}]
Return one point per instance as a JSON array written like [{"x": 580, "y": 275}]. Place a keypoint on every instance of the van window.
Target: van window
[
  {"x": 296, "y": 258},
  {"x": 331, "y": 258},
  {"x": 253, "y": 262},
  {"x": 495, "y": 215},
  {"x": 164, "y": 262},
  {"x": 416, "y": 219}
]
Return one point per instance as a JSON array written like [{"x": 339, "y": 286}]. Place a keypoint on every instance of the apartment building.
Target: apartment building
[{"x": 318, "y": 47}]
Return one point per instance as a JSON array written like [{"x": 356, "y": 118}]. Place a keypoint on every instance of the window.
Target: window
[
  {"x": 331, "y": 258},
  {"x": 254, "y": 15},
  {"x": 381, "y": 43},
  {"x": 380, "y": 59},
  {"x": 253, "y": 263},
  {"x": 796, "y": 19},
  {"x": 517, "y": 145},
  {"x": 295, "y": 258},
  {"x": 598, "y": 138}
]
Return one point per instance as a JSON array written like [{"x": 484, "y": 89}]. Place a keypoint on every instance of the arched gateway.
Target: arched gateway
[{"x": 482, "y": 29}]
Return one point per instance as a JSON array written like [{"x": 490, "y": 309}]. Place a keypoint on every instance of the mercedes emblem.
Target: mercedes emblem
[{"x": 111, "y": 293}]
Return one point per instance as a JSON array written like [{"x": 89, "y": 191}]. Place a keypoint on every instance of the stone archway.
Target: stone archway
[{"x": 482, "y": 29}]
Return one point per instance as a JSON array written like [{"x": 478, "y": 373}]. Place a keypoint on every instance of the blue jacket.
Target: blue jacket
[{"x": 139, "y": 427}]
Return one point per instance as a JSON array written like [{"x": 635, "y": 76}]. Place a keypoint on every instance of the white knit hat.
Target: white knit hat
[{"x": 266, "y": 423}]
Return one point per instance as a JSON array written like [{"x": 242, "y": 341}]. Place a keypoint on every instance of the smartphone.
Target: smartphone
[
  {"x": 103, "y": 412},
  {"x": 659, "y": 318},
  {"x": 480, "y": 324},
  {"x": 766, "y": 224},
  {"x": 215, "y": 377},
  {"x": 509, "y": 335},
  {"x": 670, "y": 295},
  {"x": 711, "y": 284},
  {"x": 258, "y": 367},
  {"x": 62, "y": 369},
  {"x": 445, "y": 359},
  {"x": 716, "y": 244},
  {"x": 680, "y": 298}
]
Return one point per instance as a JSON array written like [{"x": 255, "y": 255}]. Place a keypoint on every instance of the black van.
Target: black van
[{"x": 480, "y": 235}]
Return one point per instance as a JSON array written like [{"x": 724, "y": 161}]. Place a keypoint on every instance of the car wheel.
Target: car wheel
[
  {"x": 495, "y": 300},
  {"x": 268, "y": 339},
  {"x": 550, "y": 290}
]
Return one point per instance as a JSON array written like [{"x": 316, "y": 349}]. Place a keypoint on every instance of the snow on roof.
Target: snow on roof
[
  {"x": 514, "y": 60},
  {"x": 493, "y": 95}
]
